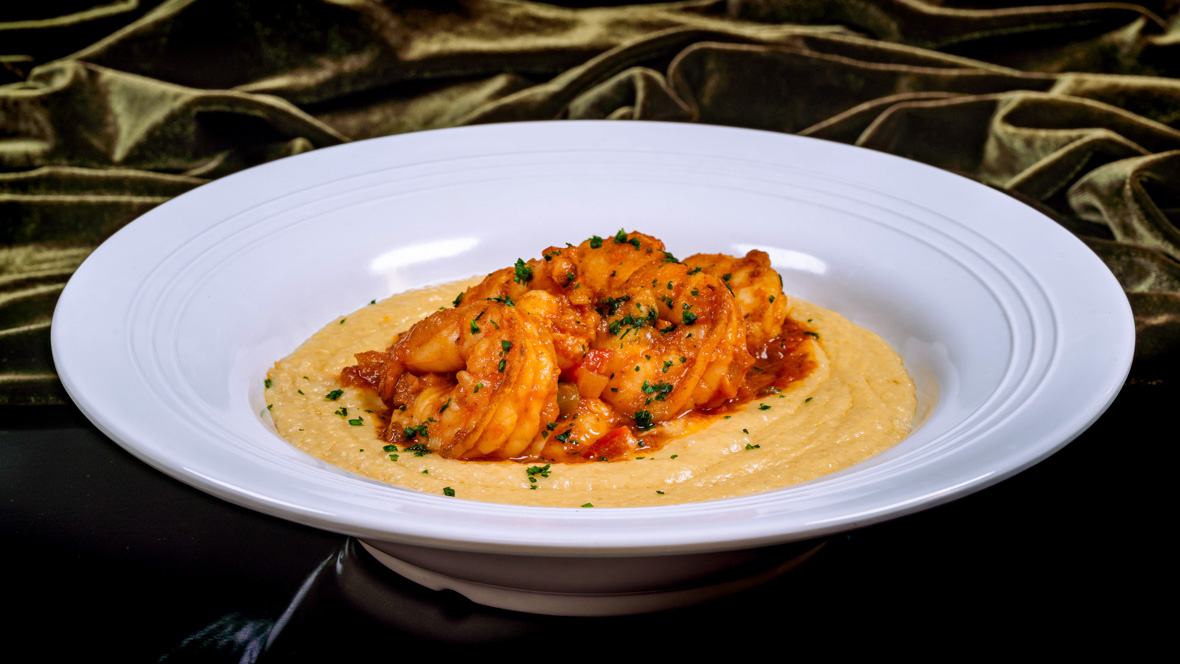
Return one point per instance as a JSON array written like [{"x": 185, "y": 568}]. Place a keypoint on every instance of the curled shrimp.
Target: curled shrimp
[
  {"x": 757, "y": 288},
  {"x": 569, "y": 356},
  {"x": 675, "y": 340},
  {"x": 580, "y": 273},
  {"x": 475, "y": 382}
]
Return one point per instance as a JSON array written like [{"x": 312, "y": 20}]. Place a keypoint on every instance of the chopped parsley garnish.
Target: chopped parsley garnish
[
  {"x": 333, "y": 395},
  {"x": 506, "y": 345},
  {"x": 418, "y": 449},
  {"x": 632, "y": 323},
  {"x": 694, "y": 271},
  {"x": 808, "y": 399},
  {"x": 448, "y": 491},
  {"x": 341, "y": 411},
  {"x": 621, "y": 238},
  {"x": 267, "y": 383},
  {"x": 669, "y": 258},
  {"x": 475, "y": 328},
  {"x": 503, "y": 363},
  {"x": 668, "y": 329},
  {"x": 659, "y": 492},
  {"x": 444, "y": 407},
  {"x": 763, "y": 406},
  {"x": 725, "y": 277},
  {"x": 411, "y": 432},
  {"x": 563, "y": 436},
  {"x": 357, "y": 422},
  {"x": 643, "y": 420},
  {"x": 688, "y": 317},
  {"x": 667, "y": 365},
  {"x": 503, "y": 300},
  {"x": 809, "y": 333},
  {"x": 595, "y": 242},
  {"x": 752, "y": 447},
  {"x": 772, "y": 298},
  {"x": 588, "y": 505},
  {"x": 610, "y": 305},
  {"x": 477, "y": 386},
  {"x": 660, "y": 389},
  {"x": 458, "y": 299},
  {"x": 524, "y": 273},
  {"x": 533, "y": 471},
  {"x": 342, "y": 320}
]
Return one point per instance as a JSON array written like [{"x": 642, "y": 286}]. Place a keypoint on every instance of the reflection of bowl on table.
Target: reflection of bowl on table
[{"x": 1016, "y": 336}]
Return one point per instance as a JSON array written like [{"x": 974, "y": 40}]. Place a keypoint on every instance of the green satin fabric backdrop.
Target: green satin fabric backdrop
[{"x": 110, "y": 108}]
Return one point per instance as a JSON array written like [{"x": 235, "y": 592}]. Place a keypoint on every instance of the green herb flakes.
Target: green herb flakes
[
  {"x": 523, "y": 273},
  {"x": 643, "y": 420}
]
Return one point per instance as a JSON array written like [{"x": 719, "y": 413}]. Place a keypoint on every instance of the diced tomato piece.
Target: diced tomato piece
[
  {"x": 596, "y": 359},
  {"x": 614, "y": 443}
]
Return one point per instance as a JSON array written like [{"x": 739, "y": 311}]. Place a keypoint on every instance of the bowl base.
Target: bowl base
[{"x": 594, "y": 604}]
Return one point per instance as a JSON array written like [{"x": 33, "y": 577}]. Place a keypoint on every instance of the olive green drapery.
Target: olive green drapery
[{"x": 110, "y": 108}]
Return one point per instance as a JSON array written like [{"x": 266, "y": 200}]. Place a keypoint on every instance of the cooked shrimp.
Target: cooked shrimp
[
  {"x": 583, "y": 423},
  {"x": 635, "y": 337},
  {"x": 605, "y": 264},
  {"x": 502, "y": 392},
  {"x": 757, "y": 288},
  {"x": 676, "y": 341},
  {"x": 572, "y": 327},
  {"x": 579, "y": 273}
]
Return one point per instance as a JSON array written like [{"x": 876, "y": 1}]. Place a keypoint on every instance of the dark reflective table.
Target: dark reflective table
[{"x": 103, "y": 554}]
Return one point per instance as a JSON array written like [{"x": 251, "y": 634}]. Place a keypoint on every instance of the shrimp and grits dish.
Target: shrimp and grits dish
[{"x": 605, "y": 374}]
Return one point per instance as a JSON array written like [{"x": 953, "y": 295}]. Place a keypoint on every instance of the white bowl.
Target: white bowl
[{"x": 1017, "y": 337}]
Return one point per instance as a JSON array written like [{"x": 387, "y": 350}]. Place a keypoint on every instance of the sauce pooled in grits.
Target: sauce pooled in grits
[{"x": 608, "y": 373}]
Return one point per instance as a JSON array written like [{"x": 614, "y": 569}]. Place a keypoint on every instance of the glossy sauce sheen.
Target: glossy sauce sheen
[{"x": 854, "y": 402}]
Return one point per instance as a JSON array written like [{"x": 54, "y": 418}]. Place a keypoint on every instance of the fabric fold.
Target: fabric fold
[{"x": 116, "y": 107}]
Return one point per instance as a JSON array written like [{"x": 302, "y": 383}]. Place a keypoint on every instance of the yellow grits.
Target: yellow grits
[{"x": 857, "y": 402}]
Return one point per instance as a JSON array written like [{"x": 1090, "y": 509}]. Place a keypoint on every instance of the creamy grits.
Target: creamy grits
[{"x": 856, "y": 402}]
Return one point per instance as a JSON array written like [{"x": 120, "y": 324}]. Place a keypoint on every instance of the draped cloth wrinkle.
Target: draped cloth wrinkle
[{"x": 108, "y": 109}]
